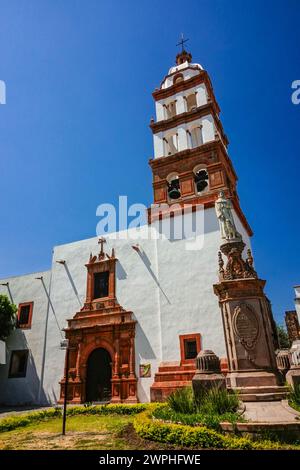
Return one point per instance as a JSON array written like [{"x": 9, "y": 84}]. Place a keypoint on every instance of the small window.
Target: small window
[
  {"x": 101, "y": 284},
  {"x": 18, "y": 364},
  {"x": 171, "y": 144},
  {"x": 191, "y": 102},
  {"x": 25, "y": 315},
  {"x": 196, "y": 137},
  {"x": 190, "y": 346},
  {"x": 190, "y": 349},
  {"x": 178, "y": 78},
  {"x": 170, "y": 109}
]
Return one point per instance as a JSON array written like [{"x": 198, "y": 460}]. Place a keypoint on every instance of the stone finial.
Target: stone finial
[
  {"x": 182, "y": 57},
  {"x": 208, "y": 374},
  {"x": 207, "y": 362},
  {"x": 283, "y": 360}
]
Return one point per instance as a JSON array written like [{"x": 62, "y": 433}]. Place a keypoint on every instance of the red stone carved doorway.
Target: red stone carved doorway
[
  {"x": 101, "y": 324},
  {"x": 98, "y": 376}
]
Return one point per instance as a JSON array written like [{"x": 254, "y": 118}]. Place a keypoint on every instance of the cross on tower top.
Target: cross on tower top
[{"x": 181, "y": 42}]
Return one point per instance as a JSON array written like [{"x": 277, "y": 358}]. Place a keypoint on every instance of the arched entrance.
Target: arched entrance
[{"x": 98, "y": 379}]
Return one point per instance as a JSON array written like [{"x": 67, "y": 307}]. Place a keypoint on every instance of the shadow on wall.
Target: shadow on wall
[
  {"x": 120, "y": 271},
  {"x": 147, "y": 263},
  {"x": 20, "y": 391}
]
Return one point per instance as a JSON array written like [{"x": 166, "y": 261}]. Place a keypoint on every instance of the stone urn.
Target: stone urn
[{"x": 208, "y": 374}]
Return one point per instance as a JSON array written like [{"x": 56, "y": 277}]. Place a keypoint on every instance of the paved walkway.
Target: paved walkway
[{"x": 271, "y": 412}]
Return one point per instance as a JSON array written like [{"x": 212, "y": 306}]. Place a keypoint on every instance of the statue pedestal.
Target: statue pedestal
[{"x": 248, "y": 328}]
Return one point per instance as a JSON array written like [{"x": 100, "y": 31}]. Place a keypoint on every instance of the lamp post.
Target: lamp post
[{"x": 64, "y": 344}]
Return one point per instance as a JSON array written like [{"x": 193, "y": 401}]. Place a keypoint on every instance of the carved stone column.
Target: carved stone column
[{"x": 247, "y": 326}]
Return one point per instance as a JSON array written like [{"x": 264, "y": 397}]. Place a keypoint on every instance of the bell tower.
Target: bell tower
[{"x": 191, "y": 163}]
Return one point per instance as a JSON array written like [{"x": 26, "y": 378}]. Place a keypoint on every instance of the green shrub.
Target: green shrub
[
  {"x": 218, "y": 402},
  {"x": 194, "y": 436},
  {"x": 294, "y": 396},
  {"x": 18, "y": 421},
  {"x": 210, "y": 420},
  {"x": 213, "y": 401},
  {"x": 119, "y": 409},
  {"x": 182, "y": 400}
]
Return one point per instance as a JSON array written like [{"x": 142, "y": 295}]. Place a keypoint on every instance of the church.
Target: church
[{"x": 135, "y": 312}]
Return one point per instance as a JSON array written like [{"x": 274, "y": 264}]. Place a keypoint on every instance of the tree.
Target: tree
[
  {"x": 283, "y": 337},
  {"x": 8, "y": 317}
]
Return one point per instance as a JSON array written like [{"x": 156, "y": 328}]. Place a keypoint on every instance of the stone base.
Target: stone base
[
  {"x": 293, "y": 376},
  {"x": 252, "y": 378},
  {"x": 256, "y": 385},
  {"x": 202, "y": 382}
]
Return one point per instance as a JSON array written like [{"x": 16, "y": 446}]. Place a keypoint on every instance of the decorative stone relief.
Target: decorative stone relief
[{"x": 245, "y": 325}]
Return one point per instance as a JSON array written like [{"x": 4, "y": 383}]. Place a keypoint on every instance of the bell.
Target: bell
[
  {"x": 174, "y": 193},
  {"x": 201, "y": 178},
  {"x": 201, "y": 185}
]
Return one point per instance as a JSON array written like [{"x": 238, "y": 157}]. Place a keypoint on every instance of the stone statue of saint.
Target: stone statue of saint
[{"x": 223, "y": 209}]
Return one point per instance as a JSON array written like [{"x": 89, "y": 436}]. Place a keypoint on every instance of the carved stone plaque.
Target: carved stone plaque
[{"x": 245, "y": 325}]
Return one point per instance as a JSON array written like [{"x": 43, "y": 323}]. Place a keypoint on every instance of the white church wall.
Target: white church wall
[
  {"x": 187, "y": 302},
  {"x": 159, "y": 110},
  {"x": 26, "y": 390},
  {"x": 158, "y": 145}
]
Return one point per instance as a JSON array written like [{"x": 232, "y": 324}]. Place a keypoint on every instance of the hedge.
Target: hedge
[
  {"x": 194, "y": 436},
  {"x": 17, "y": 421}
]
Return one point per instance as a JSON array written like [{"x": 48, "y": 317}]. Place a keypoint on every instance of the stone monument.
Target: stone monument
[
  {"x": 246, "y": 315},
  {"x": 208, "y": 373}
]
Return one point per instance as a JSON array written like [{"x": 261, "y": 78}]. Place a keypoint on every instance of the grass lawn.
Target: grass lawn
[{"x": 82, "y": 432}]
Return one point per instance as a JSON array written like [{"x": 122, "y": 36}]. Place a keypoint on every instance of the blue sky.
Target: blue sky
[{"x": 74, "y": 132}]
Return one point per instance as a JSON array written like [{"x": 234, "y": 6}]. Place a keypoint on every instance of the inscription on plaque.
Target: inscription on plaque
[{"x": 246, "y": 326}]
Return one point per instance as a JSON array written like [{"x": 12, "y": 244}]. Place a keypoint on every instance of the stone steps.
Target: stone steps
[{"x": 268, "y": 393}]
